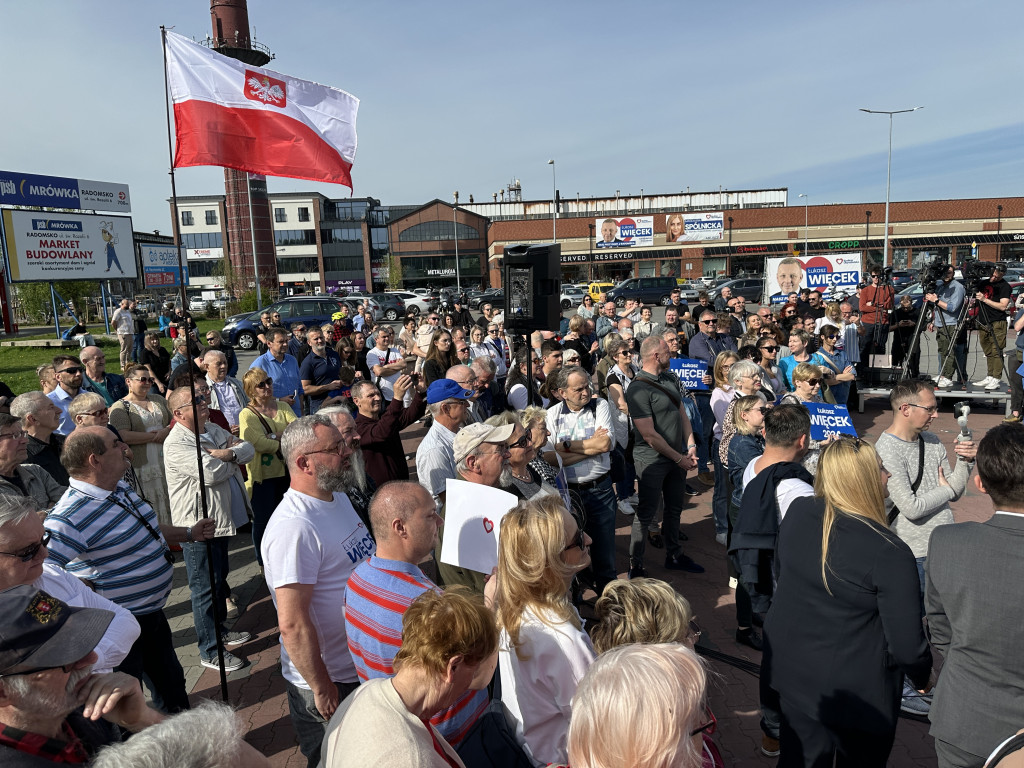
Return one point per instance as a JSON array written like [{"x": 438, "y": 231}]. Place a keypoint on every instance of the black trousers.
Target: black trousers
[
  {"x": 152, "y": 660},
  {"x": 806, "y": 742}
]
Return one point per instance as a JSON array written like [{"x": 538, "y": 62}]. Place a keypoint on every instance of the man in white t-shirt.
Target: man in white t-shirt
[
  {"x": 313, "y": 543},
  {"x": 385, "y": 362}
]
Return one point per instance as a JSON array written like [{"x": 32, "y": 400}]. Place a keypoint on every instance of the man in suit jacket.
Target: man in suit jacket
[{"x": 972, "y": 567}]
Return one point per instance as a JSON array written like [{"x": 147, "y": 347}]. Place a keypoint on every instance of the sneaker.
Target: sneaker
[
  {"x": 232, "y": 607},
  {"x": 691, "y": 491},
  {"x": 942, "y": 382},
  {"x": 236, "y": 638},
  {"x": 1013, "y": 418},
  {"x": 769, "y": 746},
  {"x": 655, "y": 539},
  {"x": 750, "y": 637},
  {"x": 994, "y": 383},
  {"x": 637, "y": 572},
  {"x": 983, "y": 382},
  {"x": 681, "y": 562},
  {"x": 634, "y": 499},
  {"x": 722, "y": 538},
  {"x": 626, "y": 508},
  {"x": 706, "y": 478},
  {"x": 231, "y": 663},
  {"x": 914, "y": 703}
]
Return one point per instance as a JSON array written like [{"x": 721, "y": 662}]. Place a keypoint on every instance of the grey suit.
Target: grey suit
[{"x": 975, "y": 608}]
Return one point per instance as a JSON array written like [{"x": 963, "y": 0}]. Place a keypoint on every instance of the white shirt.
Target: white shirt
[
  {"x": 786, "y": 492},
  {"x": 538, "y": 688},
  {"x": 309, "y": 541},
  {"x": 384, "y": 357},
  {"x": 123, "y": 321},
  {"x": 435, "y": 459},
  {"x": 567, "y": 425}
]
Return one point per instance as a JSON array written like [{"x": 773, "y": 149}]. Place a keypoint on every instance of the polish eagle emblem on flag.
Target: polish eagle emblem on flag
[{"x": 267, "y": 90}]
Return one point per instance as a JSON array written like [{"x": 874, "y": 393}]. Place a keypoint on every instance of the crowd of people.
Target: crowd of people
[{"x": 849, "y": 572}]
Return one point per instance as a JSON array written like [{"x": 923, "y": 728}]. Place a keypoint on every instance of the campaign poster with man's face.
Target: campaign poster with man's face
[
  {"x": 830, "y": 274},
  {"x": 626, "y": 232}
]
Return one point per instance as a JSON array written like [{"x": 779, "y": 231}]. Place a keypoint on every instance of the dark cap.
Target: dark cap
[{"x": 38, "y": 631}]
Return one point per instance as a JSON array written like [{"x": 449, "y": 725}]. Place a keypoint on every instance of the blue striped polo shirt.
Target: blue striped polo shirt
[
  {"x": 96, "y": 537},
  {"x": 376, "y": 597}
]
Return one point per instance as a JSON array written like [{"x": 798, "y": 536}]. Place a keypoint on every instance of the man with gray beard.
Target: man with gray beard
[
  {"x": 313, "y": 542},
  {"x": 319, "y": 371},
  {"x": 358, "y": 486}
]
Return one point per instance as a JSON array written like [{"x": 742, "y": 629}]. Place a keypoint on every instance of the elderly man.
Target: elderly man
[
  {"x": 722, "y": 302},
  {"x": 489, "y": 401},
  {"x": 18, "y": 478},
  {"x": 462, "y": 351},
  {"x": 47, "y": 378},
  {"x": 282, "y": 368},
  {"x": 382, "y": 588},
  {"x": 124, "y": 326},
  {"x": 69, "y": 373},
  {"x": 481, "y": 456},
  {"x": 706, "y": 345},
  {"x": 39, "y": 418},
  {"x": 582, "y": 431},
  {"x": 214, "y": 341},
  {"x": 22, "y": 536},
  {"x": 226, "y": 394},
  {"x": 103, "y": 532},
  {"x": 111, "y": 385},
  {"x": 380, "y": 428},
  {"x": 448, "y": 403},
  {"x": 312, "y": 544},
  {"x": 607, "y": 322},
  {"x": 49, "y": 694},
  {"x": 297, "y": 344},
  {"x": 356, "y": 484},
  {"x": 319, "y": 370},
  {"x": 385, "y": 362},
  {"x": 227, "y": 504}
]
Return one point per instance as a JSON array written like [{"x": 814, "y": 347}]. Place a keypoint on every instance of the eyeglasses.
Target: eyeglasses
[
  {"x": 265, "y": 383},
  {"x": 197, "y": 400},
  {"x": 433, "y": 319},
  {"x": 763, "y": 409},
  {"x": 929, "y": 408},
  {"x": 72, "y": 370},
  {"x": 28, "y": 553},
  {"x": 577, "y": 541},
  {"x": 709, "y": 322},
  {"x": 13, "y": 435},
  {"x": 708, "y": 727},
  {"x": 694, "y": 630},
  {"x": 96, "y": 414},
  {"x": 331, "y": 449},
  {"x": 522, "y": 442},
  {"x": 144, "y": 379}
]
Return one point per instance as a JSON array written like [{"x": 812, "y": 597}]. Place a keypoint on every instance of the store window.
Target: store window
[
  {"x": 669, "y": 268},
  {"x": 646, "y": 268}
]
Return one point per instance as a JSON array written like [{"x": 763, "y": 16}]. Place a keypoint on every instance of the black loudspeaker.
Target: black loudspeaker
[{"x": 531, "y": 275}]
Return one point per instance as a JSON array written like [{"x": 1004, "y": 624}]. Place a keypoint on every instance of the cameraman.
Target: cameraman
[
  {"x": 948, "y": 299},
  {"x": 876, "y": 302},
  {"x": 993, "y": 299}
]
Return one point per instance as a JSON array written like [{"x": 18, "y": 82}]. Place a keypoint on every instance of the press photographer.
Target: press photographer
[
  {"x": 993, "y": 297},
  {"x": 947, "y": 295}
]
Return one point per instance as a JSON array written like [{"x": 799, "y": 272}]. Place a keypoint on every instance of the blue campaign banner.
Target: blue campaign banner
[
  {"x": 829, "y": 420},
  {"x": 690, "y": 372},
  {"x": 1020, "y": 371}
]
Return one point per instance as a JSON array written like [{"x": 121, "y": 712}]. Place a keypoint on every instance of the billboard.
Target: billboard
[
  {"x": 68, "y": 246},
  {"x": 831, "y": 273},
  {"x": 59, "y": 192},
  {"x": 160, "y": 266},
  {"x": 627, "y": 232},
  {"x": 691, "y": 227}
]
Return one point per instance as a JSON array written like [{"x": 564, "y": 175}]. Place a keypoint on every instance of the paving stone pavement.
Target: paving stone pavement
[{"x": 258, "y": 691}]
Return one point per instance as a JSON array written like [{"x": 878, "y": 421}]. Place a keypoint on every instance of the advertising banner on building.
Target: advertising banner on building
[
  {"x": 834, "y": 273},
  {"x": 160, "y": 266},
  {"x": 348, "y": 286},
  {"x": 68, "y": 246},
  {"x": 627, "y": 232},
  {"x": 208, "y": 253},
  {"x": 691, "y": 227},
  {"x": 59, "y": 192}
]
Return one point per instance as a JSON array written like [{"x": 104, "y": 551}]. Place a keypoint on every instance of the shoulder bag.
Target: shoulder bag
[
  {"x": 268, "y": 430},
  {"x": 895, "y": 511}
]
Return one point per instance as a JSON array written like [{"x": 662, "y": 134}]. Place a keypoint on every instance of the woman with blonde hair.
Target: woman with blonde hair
[
  {"x": 642, "y": 706},
  {"x": 543, "y": 651},
  {"x": 642, "y": 611},
  {"x": 846, "y": 619},
  {"x": 675, "y": 228},
  {"x": 261, "y": 423},
  {"x": 807, "y": 381}
]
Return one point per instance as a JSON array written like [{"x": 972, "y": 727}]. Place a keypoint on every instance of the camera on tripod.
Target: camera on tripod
[
  {"x": 932, "y": 274},
  {"x": 976, "y": 274}
]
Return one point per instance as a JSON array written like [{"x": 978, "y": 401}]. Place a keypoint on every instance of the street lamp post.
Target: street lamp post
[
  {"x": 867, "y": 228},
  {"x": 806, "y": 200},
  {"x": 554, "y": 204},
  {"x": 888, "y": 175},
  {"x": 455, "y": 224}
]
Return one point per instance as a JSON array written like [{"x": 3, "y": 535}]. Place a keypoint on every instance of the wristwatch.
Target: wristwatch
[
  {"x": 234, "y": 457},
  {"x": 567, "y": 445}
]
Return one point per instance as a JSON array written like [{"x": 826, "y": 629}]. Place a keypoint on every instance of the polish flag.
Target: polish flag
[{"x": 229, "y": 114}]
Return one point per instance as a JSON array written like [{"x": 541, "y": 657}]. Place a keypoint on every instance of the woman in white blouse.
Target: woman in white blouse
[{"x": 543, "y": 650}]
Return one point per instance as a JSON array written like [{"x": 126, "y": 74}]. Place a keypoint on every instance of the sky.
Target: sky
[{"x": 659, "y": 96}]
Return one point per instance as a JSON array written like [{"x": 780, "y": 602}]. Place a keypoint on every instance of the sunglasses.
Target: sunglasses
[
  {"x": 577, "y": 541},
  {"x": 28, "y": 553},
  {"x": 73, "y": 370},
  {"x": 265, "y": 383},
  {"x": 768, "y": 348},
  {"x": 814, "y": 382},
  {"x": 97, "y": 414},
  {"x": 144, "y": 379},
  {"x": 214, "y": 338},
  {"x": 522, "y": 442},
  {"x": 830, "y": 336},
  {"x": 763, "y": 409},
  {"x": 708, "y": 727},
  {"x": 709, "y": 322}
]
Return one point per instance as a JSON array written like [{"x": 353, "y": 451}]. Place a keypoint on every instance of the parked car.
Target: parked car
[
  {"x": 750, "y": 288},
  {"x": 488, "y": 295},
  {"x": 595, "y": 289},
  {"x": 571, "y": 296},
  {"x": 414, "y": 303},
  {"x": 649, "y": 290},
  {"x": 241, "y": 330},
  {"x": 197, "y": 304},
  {"x": 391, "y": 307},
  {"x": 689, "y": 291}
]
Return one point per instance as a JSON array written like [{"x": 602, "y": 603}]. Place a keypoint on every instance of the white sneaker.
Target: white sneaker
[
  {"x": 984, "y": 382},
  {"x": 626, "y": 508},
  {"x": 993, "y": 383},
  {"x": 733, "y": 582},
  {"x": 942, "y": 382}
]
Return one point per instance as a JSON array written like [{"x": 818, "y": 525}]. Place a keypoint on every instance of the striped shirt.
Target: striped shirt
[
  {"x": 96, "y": 536},
  {"x": 378, "y": 593}
]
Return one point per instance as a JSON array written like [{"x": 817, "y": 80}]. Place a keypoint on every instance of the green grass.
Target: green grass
[{"x": 18, "y": 364}]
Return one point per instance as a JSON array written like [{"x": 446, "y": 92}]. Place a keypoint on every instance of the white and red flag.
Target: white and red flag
[{"x": 229, "y": 114}]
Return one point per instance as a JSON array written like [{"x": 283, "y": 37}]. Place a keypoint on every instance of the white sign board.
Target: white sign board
[
  {"x": 45, "y": 246},
  {"x": 472, "y": 524}
]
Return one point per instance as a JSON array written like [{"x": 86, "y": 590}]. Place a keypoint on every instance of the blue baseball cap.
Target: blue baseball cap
[{"x": 446, "y": 389}]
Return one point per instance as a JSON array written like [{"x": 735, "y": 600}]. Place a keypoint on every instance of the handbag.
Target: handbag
[
  {"x": 491, "y": 742},
  {"x": 267, "y": 429},
  {"x": 895, "y": 511}
]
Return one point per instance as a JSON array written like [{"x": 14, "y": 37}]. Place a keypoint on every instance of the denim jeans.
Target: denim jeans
[
  {"x": 204, "y": 603},
  {"x": 720, "y": 498},
  {"x": 152, "y": 659},
  {"x": 666, "y": 479},
  {"x": 703, "y": 435},
  {"x": 138, "y": 347},
  {"x": 697, "y": 426},
  {"x": 599, "y": 506},
  {"x": 307, "y": 722}
]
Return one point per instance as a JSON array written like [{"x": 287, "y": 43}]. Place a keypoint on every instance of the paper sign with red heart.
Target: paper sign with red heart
[{"x": 488, "y": 525}]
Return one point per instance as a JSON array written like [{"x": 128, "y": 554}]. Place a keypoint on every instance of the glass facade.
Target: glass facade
[
  {"x": 203, "y": 240},
  {"x": 294, "y": 237},
  {"x": 432, "y": 231}
]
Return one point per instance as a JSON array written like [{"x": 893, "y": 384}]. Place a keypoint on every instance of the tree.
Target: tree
[{"x": 35, "y": 303}]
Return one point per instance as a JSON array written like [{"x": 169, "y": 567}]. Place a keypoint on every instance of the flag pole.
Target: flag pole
[{"x": 192, "y": 386}]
